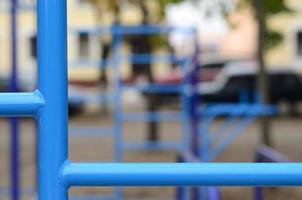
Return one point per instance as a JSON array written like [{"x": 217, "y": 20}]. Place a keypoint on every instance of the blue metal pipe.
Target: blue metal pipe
[
  {"x": 20, "y": 104},
  {"x": 134, "y": 30},
  {"x": 14, "y": 122},
  {"x": 154, "y": 88},
  {"x": 267, "y": 154},
  {"x": 14, "y": 159},
  {"x": 216, "y": 150},
  {"x": 133, "y": 58},
  {"x": 52, "y": 82},
  {"x": 118, "y": 151},
  {"x": 238, "y": 109},
  {"x": 173, "y": 174}
]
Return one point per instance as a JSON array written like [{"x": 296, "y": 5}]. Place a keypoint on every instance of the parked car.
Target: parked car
[
  {"x": 238, "y": 77},
  {"x": 234, "y": 78}
]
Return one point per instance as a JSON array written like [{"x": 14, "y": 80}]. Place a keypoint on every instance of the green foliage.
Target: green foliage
[
  {"x": 269, "y": 8},
  {"x": 272, "y": 39}
]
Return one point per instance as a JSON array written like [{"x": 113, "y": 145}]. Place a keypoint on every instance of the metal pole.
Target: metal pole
[
  {"x": 182, "y": 174},
  {"x": 52, "y": 82},
  {"x": 195, "y": 115},
  {"x": 14, "y": 122},
  {"x": 118, "y": 144}
]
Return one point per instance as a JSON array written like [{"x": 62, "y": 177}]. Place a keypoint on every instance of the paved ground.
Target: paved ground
[{"x": 286, "y": 133}]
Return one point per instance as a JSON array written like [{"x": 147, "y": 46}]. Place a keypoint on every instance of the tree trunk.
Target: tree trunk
[{"x": 263, "y": 81}]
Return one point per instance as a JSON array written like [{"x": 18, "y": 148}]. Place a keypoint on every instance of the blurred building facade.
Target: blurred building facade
[
  {"x": 289, "y": 52},
  {"x": 238, "y": 42},
  {"x": 81, "y": 46}
]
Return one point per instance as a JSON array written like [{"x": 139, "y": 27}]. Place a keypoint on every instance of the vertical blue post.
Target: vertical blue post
[
  {"x": 118, "y": 153},
  {"x": 14, "y": 122},
  {"x": 194, "y": 113},
  {"x": 52, "y": 82},
  {"x": 117, "y": 93},
  {"x": 258, "y": 193},
  {"x": 185, "y": 106}
]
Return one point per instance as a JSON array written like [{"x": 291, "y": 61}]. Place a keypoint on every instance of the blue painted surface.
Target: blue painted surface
[
  {"x": 119, "y": 115},
  {"x": 267, "y": 154},
  {"x": 20, "y": 104},
  {"x": 134, "y": 58},
  {"x": 52, "y": 83},
  {"x": 154, "y": 88},
  {"x": 14, "y": 122},
  {"x": 133, "y": 30},
  {"x": 175, "y": 174},
  {"x": 57, "y": 174}
]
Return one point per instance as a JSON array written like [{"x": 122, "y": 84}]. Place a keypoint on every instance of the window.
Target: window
[
  {"x": 299, "y": 44},
  {"x": 83, "y": 1},
  {"x": 83, "y": 45},
  {"x": 33, "y": 47},
  {"x": 27, "y": 2}
]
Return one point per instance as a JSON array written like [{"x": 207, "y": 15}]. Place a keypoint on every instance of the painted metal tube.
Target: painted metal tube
[
  {"x": 134, "y": 58},
  {"x": 154, "y": 88},
  {"x": 118, "y": 150},
  {"x": 193, "y": 174},
  {"x": 14, "y": 122},
  {"x": 52, "y": 82},
  {"x": 133, "y": 30},
  {"x": 227, "y": 140},
  {"x": 268, "y": 154},
  {"x": 20, "y": 104}
]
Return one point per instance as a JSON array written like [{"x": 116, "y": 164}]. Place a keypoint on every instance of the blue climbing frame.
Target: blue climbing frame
[
  {"x": 49, "y": 106},
  {"x": 120, "y": 116}
]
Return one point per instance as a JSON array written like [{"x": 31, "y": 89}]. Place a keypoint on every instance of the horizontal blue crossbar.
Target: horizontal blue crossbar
[
  {"x": 154, "y": 88},
  {"x": 184, "y": 174},
  {"x": 20, "y": 104},
  {"x": 148, "y": 58},
  {"x": 133, "y": 30},
  {"x": 133, "y": 58},
  {"x": 151, "y": 116},
  {"x": 238, "y": 109}
]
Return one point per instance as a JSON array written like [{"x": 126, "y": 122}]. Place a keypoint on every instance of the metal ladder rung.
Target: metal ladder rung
[{"x": 153, "y": 88}]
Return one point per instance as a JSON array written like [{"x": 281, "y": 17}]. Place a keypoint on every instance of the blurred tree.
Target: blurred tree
[
  {"x": 263, "y": 10},
  {"x": 267, "y": 39}
]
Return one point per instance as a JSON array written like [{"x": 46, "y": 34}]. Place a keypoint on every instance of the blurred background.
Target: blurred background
[{"x": 158, "y": 80}]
